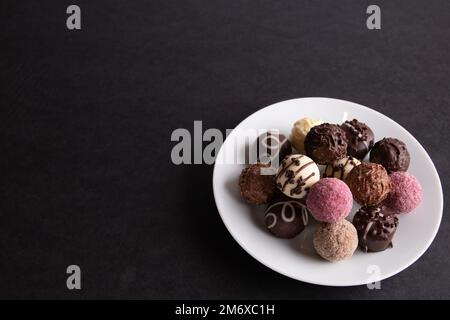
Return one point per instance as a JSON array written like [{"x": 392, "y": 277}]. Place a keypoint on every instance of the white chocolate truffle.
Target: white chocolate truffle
[
  {"x": 296, "y": 175},
  {"x": 300, "y": 130},
  {"x": 341, "y": 168}
]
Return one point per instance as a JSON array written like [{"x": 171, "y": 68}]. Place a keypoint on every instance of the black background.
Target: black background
[{"x": 86, "y": 118}]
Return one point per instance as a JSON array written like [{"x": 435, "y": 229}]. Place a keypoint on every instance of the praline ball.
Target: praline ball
[
  {"x": 391, "y": 153},
  {"x": 272, "y": 145},
  {"x": 376, "y": 227},
  {"x": 335, "y": 241},
  {"x": 406, "y": 193},
  {"x": 360, "y": 138},
  {"x": 296, "y": 175},
  {"x": 326, "y": 143},
  {"x": 369, "y": 183},
  {"x": 255, "y": 187},
  {"x": 286, "y": 219},
  {"x": 329, "y": 200}
]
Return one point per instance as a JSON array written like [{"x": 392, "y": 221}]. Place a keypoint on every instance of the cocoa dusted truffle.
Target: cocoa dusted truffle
[
  {"x": 286, "y": 219},
  {"x": 391, "y": 153},
  {"x": 360, "y": 138},
  {"x": 369, "y": 182},
  {"x": 335, "y": 241},
  {"x": 376, "y": 227},
  {"x": 255, "y": 187},
  {"x": 272, "y": 145},
  {"x": 326, "y": 143}
]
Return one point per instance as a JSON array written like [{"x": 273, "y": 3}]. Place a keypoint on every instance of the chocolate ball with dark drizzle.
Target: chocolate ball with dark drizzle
[
  {"x": 296, "y": 175},
  {"x": 376, "y": 227}
]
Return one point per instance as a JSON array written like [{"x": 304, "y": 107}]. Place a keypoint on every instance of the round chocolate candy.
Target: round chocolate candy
[
  {"x": 369, "y": 183},
  {"x": 256, "y": 188},
  {"x": 360, "y": 138},
  {"x": 376, "y": 227},
  {"x": 286, "y": 219},
  {"x": 340, "y": 168},
  {"x": 391, "y": 153},
  {"x": 296, "y": 175},
  {"x": 326, "y": 143},
  {"x": 272, "y": 145}
]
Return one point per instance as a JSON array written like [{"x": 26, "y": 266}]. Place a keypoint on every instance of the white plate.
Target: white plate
[{"x": 296, "y": 258}]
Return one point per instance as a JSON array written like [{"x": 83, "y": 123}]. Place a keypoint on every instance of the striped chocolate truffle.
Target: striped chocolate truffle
[{"x": 296, "y": 175}]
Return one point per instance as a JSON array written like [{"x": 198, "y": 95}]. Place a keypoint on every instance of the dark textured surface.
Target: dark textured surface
[{"x": 86, "y": 119}]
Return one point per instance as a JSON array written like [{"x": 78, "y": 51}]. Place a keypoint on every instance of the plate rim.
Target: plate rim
[{"x": 351, "y": 283}]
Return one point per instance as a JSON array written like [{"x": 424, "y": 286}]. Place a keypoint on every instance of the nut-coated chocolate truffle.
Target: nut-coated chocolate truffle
[
  {"x": 340, "y": 168},
  {"x": 300, "y": 130},
  {"x": 360, "y": 138},
  {"x": 286, "y": 219},
  {"x": 391, "y": 153},
  {"x": 256, "y": 188},
  {"x": 272, "y": 145},
  {"x": 326, "y": 143},
  {"x": 369, "y": 182},
  {"x": 376, "y": 227},
  {"x": 336, "y": 241},
  {"x": 296, "y": 174}
]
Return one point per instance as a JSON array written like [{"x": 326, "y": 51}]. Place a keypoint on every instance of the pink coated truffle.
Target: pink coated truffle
[
  {"x": 329, "y": 200},
  {"x": 406, "y": 193}
]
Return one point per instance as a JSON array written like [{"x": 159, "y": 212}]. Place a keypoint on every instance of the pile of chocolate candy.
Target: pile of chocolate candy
[{"x": 321, "y": 173}]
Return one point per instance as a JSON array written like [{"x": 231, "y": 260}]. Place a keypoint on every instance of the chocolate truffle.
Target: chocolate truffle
[
  {"x": 286, "y": 219},
  {"x": 391, "y": 153},
  {"x": 255, "y": 187},
  {"x": 376, "y": 227},
  {"x": 360, "y": 138},
  {"x": 300, "y": 130},
  {"x": 369, "y": 182},
  {"x": 329, "y": 200},
  {"x": 336, "y": 241},
  {"x": 406, "y": 193},
  {"x": 326, "y": 143},
  {"x": 296, "y": 175},
  {"x": 272, "y": 145},
  {"x": 340, "y": 168}
]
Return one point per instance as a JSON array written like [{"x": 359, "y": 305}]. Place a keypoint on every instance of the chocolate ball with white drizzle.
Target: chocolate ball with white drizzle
[
  {"x": 296, "y": 175},
  {"x": 286, "y": 218}
]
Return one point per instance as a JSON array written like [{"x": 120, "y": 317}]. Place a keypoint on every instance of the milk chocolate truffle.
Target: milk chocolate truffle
[
  {"x": 360, "y": 138},
  {"x": 326, "y": 143},
  {"x": 255, "y": 187},
  {"x": 336, "y": 241},
  {"x": 391, "y": 153},
  {"x": 300, "y": 130},
  {"x": 369, "y": 182},
  {"x": 340, "y": 168},
  {"x": 296, "y": 175},
  {"x": 286, "y": 219},
  {"x": 272, "y": 145},
  {"x": 376, "y": 227}
]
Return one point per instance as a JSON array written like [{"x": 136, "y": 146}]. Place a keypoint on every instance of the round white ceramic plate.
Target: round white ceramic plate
[{"x": 296, "y": 258}]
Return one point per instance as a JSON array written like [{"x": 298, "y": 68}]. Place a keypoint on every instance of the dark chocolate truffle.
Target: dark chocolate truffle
[
  {"x": 286, "y": 219},
  {"x": 255, "y": 187},
  {"x": 376, "y": 227},
  {"x": 272, "y": 145},
  {"x": 369, "y": 182},
  {"x": 391, "y": 153},
  {"x": 360, "y": 138},
  {"x": 326, "y": 143}
]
